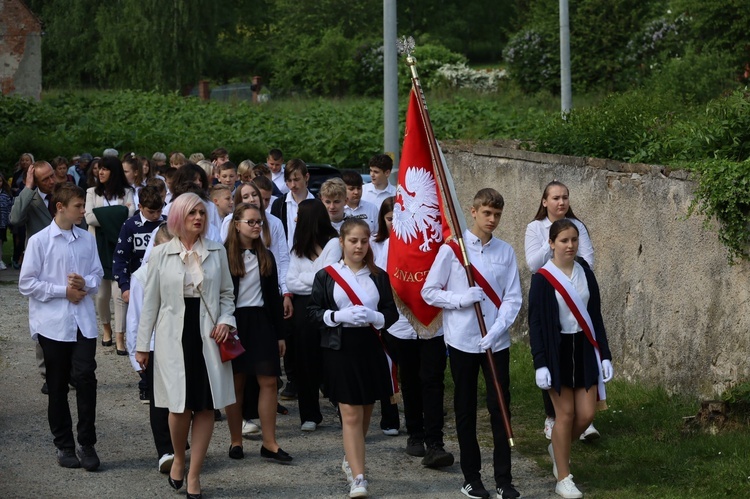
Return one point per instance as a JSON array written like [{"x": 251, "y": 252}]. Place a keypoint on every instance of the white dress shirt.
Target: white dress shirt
[
  {"x": 135, "y": 305},
  {"x": 249, "y": 293},
  {"x": 292, "y": 207},
  {"x": 302, "y": 270},
  {"x": 365, "y": 211},
  {"x": 537, "y": 247},
  {"x": 446, "y": 283},
  {"x": 52, "y": 254},
  {"x": 568, "y": 322},
  {"x": 278, "y": 179},
  {"x": 372, "y": 195}
]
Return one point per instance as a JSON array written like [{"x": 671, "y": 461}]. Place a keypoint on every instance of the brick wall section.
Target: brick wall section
[
  {"x": 676, "y": 313},
  {"x": 20, "y": 50}
]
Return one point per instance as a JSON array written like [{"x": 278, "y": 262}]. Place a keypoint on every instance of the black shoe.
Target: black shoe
[
  {"x": 437, "y": 457},
  {"x": 45, "y": 388},
  {"x": 507, "y": 492},
  {"x": 89, "y": 458},
  {"x": 289, "y": 392},
  {"x": 415, "y": 447},
  {"x": 195, "y": 496},
  {"x": 217, "y": 415},
  {"x": 67, "y": 457},
  {"x": 175, "y": 484},
  {"x": 107, "y": 343},
  {"x": 236, "y": 452},
  {"x": 474, "y": 489},
  {"x": 121, "y": 352},
  {"x": 279, "y": 456},
  {"x": 280, "y": 409}
]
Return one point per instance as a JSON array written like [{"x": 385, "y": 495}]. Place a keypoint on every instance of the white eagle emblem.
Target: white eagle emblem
[{"x": 417, "y": 212}]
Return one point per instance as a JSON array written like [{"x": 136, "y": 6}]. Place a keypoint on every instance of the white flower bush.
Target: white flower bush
[{"x": 462, "y": 76}]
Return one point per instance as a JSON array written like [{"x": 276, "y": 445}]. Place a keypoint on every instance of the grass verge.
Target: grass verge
[{"x": 646, "y": 450}]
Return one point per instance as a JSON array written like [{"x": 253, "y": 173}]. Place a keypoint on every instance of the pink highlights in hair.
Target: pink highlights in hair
[{"x": 178, "y": 212}]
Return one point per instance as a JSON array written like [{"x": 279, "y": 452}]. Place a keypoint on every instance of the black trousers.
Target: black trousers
[
  {"x": 465, "y": 371},
  {"x": 66, "y": 360},
  {"x": 290, "y": 355},
  {"x": 158, "y": 416},
  {"x": 421, "y": 365},
  {"x": 308, "y": 368}
]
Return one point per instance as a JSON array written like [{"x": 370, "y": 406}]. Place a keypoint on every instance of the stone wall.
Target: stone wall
[
  {"x": 676, "y": 313},
  {"x": 20, "y": 50}
]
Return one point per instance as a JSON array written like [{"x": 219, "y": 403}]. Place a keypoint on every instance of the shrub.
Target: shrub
[
  {"x": 462, "y": 76},
  {"x": 532, "y": 63}
]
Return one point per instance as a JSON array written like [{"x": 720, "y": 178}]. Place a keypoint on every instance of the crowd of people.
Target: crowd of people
[{"x": 196, "y": 253}]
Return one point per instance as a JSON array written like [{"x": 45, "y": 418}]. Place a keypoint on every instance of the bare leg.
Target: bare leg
[
  {"x": 585, "y": 405},
  {"x": 234, "y": 411},
  {"x": 203, "y": 428},
  {"x": 107, "y": 334},
  {"x": 267, "y": 411},
  {"x": 179, "y": 426},
  {"x": 353, "y": 425},
  {"x": 562, "y": 432},
  {"x": 119, "y": 340}
]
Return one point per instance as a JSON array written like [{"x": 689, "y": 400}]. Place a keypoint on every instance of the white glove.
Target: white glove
[
  {"x": 490, "y": 338},
  {"x": 371, "y": 315},
  {"x": 543, "y": 378},
  {"x": 607, "y": 371},
  {"x": 472, "y": 296},
  {"x": 351, "y": 315}
]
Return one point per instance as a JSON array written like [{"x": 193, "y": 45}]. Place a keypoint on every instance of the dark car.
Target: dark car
[{"x": 319, "y": 173}]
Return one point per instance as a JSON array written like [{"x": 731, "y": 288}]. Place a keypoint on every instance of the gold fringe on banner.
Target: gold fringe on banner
[{"x": 424, "y": 332}]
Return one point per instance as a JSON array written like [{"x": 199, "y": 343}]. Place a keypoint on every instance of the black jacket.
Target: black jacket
[
  {"x": 269, "y": 289},
  {"x": 321, "y": 300},
  {"x": 544, "y": 329}
]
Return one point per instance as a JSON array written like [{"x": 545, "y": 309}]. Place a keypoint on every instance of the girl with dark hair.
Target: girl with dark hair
[
  {"x": 258, "y": 312},
  {"x": 92, "y": 177},
  {"x": 315, "y": 246},
  {"x": 108, "y": 205},
  {"x": 569, "y": 345},
  {"x": 16, "y": 184},
  {"x": 352, "y": 304},
  {"x": 379, "y": 240},
  {"x": 147, "y": 169}
]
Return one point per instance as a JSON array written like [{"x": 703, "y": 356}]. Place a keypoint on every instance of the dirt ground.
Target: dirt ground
[{"x": 28, "y": 467}]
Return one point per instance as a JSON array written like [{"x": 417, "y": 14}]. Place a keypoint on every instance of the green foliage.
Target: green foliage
[
  {"x": 723, "y": 195},
  {"x": 531, "y": 59},
  {"x": 429, "y": 59}
]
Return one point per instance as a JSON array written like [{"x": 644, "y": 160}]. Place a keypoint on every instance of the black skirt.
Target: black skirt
[
  {"x": 257, "y": 336},
  {"x": 197, "y": 386},
  {"x": 571, "y": 360},
  {"x": 358, "y": 373}
]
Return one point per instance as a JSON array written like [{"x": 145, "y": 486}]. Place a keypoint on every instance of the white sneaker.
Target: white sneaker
[
  {"x": 552, "y": 456},
  {"x": 250, "y": 427},
  {"x": 165, "y": 463},
  {"x": 347, "y": 471},
  {"x": 391, "y": 432},
  {"x": 2, "y": 265},
  {"x": 549, "y": 423},
  {"x": 359, "y": 487},
  {"x": 567, "y": 489},
  {"x": 309, "y": 426},
  {"x": 590, "y": 433}
]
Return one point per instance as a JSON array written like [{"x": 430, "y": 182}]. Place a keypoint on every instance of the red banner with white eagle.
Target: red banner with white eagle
[{"x": 420, "y": 224}]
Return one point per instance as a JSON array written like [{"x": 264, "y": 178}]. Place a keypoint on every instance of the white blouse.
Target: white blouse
[{"x": 568, "y": 322}]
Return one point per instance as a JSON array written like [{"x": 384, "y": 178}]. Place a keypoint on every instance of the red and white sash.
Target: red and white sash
[
  {"x": 354, "y": 291},
  {"x": 477, "y": 271},
  {"x": 569, "y": 293}
]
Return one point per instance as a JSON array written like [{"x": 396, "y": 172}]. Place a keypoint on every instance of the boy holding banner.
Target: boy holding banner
[{"x": 498, "y": 292}]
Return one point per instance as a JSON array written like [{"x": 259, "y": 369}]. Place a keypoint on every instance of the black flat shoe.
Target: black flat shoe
[
  {"x": 195, "y": 496},
  {"x": 121, "y": 352},
  {"x": 175, "y": 484},
  {"x": 280, "y": 409},
  {"x": 236, "y": 452},
  {"x": 279, "y": 456},
  {"x": 107, "y": 343}
]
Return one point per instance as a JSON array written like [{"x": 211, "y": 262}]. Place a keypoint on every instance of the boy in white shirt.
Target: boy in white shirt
[
  {"x": 60, "y": 274},
  {"x": 285, "y": 208},
  {"x": 221, "y": 195},
  {"x": 499, "y": 298},
  {"x": 333, "y": 195},
  {"x": 355, "y": 207},
  {"x": 379, "y": 189}
]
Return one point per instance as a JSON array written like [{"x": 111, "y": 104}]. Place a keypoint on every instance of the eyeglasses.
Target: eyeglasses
[{"x": 251, "y": 223}]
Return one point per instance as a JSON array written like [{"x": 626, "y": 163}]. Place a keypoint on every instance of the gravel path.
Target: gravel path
[{"x": 129, "y": 463}]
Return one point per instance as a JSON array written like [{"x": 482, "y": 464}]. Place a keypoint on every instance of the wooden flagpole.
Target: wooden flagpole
[{"x": 439, "y": 167}]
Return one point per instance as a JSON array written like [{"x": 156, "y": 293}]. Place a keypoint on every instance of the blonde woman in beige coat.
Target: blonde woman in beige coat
[{"x": 189, "y": 304}]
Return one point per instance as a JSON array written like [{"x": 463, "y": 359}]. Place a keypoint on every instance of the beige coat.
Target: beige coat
[{"x": 163, "y": 313}]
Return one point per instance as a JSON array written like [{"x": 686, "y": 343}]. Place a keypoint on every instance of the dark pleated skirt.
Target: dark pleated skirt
[
  {"x": 357, "y": 374},
  {"x": 197, "y": 387},
  {"x": 571, "y": 360},
  {"x": 258, "y": 337}
]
